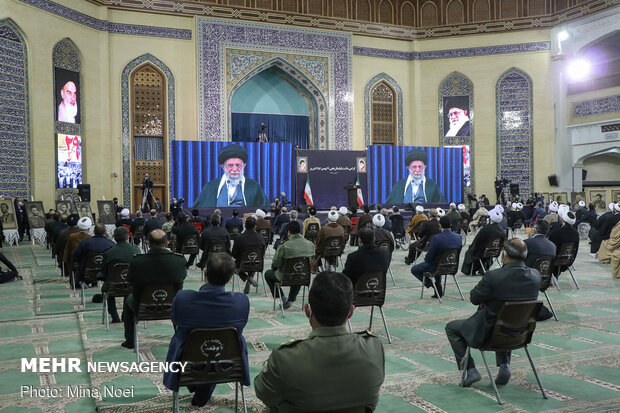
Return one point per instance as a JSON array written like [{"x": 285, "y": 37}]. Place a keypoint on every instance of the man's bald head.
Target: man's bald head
[
  {"x": 157, "y": 239},
  {"x": 515, "y": 250}
]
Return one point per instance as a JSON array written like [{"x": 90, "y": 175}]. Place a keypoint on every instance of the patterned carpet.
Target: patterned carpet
[{"x": 578, "y": 357}]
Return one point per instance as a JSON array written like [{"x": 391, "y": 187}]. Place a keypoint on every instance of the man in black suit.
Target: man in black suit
[
  {"x": 214, "y": 232},
  {"x": 152, "y": 223},
  {"x": 539, "y": 246},
  {"x": 249, "y": 238},
  {"x": 367, "y": 258},
  {"x": 425, "y": 233},
  {"x": 233, "y": 221},
  {"x": 281, "y": 219},
  {"x": 603, "y": 230},
  {"x": 483, "y": 237},
  {"x": 564, "y": 234},
  {"x": 157, "y": 267},
  {"x": 513, "y": 282},
  {"x": 183, "y": 231}
]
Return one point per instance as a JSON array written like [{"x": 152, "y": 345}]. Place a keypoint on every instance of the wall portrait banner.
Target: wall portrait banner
[
  {"x": 575, "y": 197},
  {"x": 66, "y": 208},
  {"x": 107, "y": 212},
  {"x": 67, "y": 94},
  {"x": 84, "y": 209},
  {"x": 7, "y": 213},
  {"x": 456, "y": 112},
  {"x": 35, "y": 214},
  {"x": 69, "y": 161}
]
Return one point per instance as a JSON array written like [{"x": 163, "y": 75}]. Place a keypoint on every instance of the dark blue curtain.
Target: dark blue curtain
[
  {"x": 194, "y": 163},
  {"x": 387, "y": 166},
  {"x": 280, "y": 128}
]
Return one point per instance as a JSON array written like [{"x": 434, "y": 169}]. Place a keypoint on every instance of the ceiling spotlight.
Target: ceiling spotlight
[
  {"x": 563, "y": 35},
  {"x": 579, "y": 69}
]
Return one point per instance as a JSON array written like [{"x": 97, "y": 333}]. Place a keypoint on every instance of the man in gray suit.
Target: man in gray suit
[
  {"x": 539, "y": 246},
  {"x": 513, "y": 282}
]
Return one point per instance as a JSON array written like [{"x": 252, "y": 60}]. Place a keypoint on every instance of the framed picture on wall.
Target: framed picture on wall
[
  {"x": 84, "y": 209},
  {"x": 302, "y": 164},
  {"x": 615, "y": 196},
  {"x": 7, "y": 213},
  {"x": 360, "y": 161},
  {"x": 67, "y": 90},
  {"x": 35, "y": 214},
  {"x": 456, "y": 111},
  {"x": 560, "y": 197},
  {"x": 575, "y": 197},
  {"x": 65, "y": 207},
  {"x": 107, "y": 212},
  {"x": 599, "y": 198}
]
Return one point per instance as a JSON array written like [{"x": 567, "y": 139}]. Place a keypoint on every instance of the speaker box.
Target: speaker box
[
  {"x": 514, "y": 189},
  {"x": 553, "y": 180},
  {"x": 84, "y": 192},
  {"x": 584, "y": 174}
]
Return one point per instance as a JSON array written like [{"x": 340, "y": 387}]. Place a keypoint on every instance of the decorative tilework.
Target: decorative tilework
[
  {"x": 457, "y": 84},
  {"x": 607, "y": 104},
  {"x": 102, "y": 25},
  {"x": 238, "y": 62},
  {"x": 399, "y": 106},
  {"x": 14, "y": 113},
  {"x": 314, "y": 67},
  {"x": 453, "y": 53},
  {"x": 514, "y": 129},
  {"x": 125, "y": 113},
  {"x": 213, "y": 35},
  {"x": 66, "y": 56}
]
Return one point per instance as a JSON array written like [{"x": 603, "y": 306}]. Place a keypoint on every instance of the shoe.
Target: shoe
[
  {"x": 246, "y": 289},
  {"x": 196, "y": 404},
  {"x": 97, "y": 298},
  {"x": 116, "y": 320},
  {"x": 593, "y": 255},
  {"x": 440, "y": 291},
  {"x": 408, "y": 261},
  {"x": 472, "y": 376},
  {"x": 503, "y": 375},
  {"x": 287, "y": 305},
  {"x": 127, "y": 344},
  {"x": 252, "y": 281}
]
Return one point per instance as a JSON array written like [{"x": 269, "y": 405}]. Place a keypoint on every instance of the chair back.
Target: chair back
[
  {"x": 354, "y": 221},
  {"x": 368, "y": 225},
  {"x": 265, "y": 233},
  {"x": 128, "y": 228},
  {"x": 456, "y": 226},
  {"x": 234, "y": 231},
  {"x": 198, "y": 226},
  {"x": 190, "y": 245},
  {"x": 493, "y": 248},
  {"x": 566, "y": 254},
  {"x": 217, "y": 245},
  {"x": 369, "y": 290},
  {"x": 118, "y": 284},
  {"x": 312, "y": 231},
  {"x": 544, "y": 265},
  {"x": 448, "y": 262},
  {"x": 398, "y": 226},
  {"x": 156, "y": 302},
  {"x": 252, "y": 259},
  {"x": 92, "y": 267},
  {"x": 483, "y": 220},
  {"x": 172, "y": 241},
  {"x": 384, "y": 245},
  {"x": 465, "y": 225},
  {"x": 214, "y": 355},
  {"x": 138, "y": 233},
  {"x": 517, "y": 224},
  {"x": 514, "y": 326},
  {"x": 333, "y": 247},
  {"x": 296, "y": 271}
]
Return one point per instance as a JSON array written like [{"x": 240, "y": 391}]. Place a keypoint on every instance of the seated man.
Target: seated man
[
  {"x": 416, "y": 220},
  {"x": 564, "y": 234},
  {"x": 224, "y": 309},
  {"x": 73, "y": 241},
  {"x": 382, "y": 234},
  {"x": 168, "y": 225},
  {"x": 312, "y": 219},
  {"x": 483, "y": 237},
  {"x": 604, "y": 226},
  {"x": 122, "y": 252},
  {"x": 367, "y": 258},
  {"x": 183, "y": 231},
  {"x": 283, "y": 234},
  {"x": 295, "y": 246},
  {"x": 539, "y": 246},
  {"x": 465, "y": 217},
  {"x": 332, "y": 369},
  {"x": 426, "y": 230},
  {"x": 439, "y": 244},
  {"x": 344, "y": 221},
  {"x": 156, "y": 267},
  {"x": 124, "y": 219},
  {"x": 249, "y": 238},
  {"x": 9, "y": 275},
  {"x": 480, "y": 212},
  {"x": 332, "y": 229},
  {"x": 214, "y": 232},
  {"x": 98, "y": 243},
  {"x": 137, "y": 226},
  {"x": 233, "y": 221},
  {"x": 513, "y": 282},
  {"x": 152, "y": 223}
]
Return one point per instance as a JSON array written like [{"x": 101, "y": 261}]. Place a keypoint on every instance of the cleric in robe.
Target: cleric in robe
[
  {"x": 233, "y": 188},
  {"x": 415, "y": 188}
]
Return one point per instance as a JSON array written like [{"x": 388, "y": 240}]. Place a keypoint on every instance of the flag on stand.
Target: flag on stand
[
  {"x": 360, "y": 197},
  {"x": 308, "y": 192}
]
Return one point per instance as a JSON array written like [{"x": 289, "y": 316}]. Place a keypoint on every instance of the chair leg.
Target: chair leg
[
  {"x": 105, "y": 312},
  {"x": 542, "y": 390},
  {"x": 551, "y": 306},
  {"x": 83, "y": 295},
  {"x": 245, "y": 407},
  {"x": 303, "y": 297},
  {"x": 236, "y": 395},
  {"x": 574, "y": 279},
  {"x": 435, "y": 288},
  {"x": 482, "y": 267},
  {"x": 499, "y": 400},
  {"x": 422, "y": 292},
  {"x": 458, "y": 287},
  {"x": 387, "y": 331},
  {"x": 276, "y": 288},
  {"x": 372, "y": 310},
  {"x": 264, "y": 287},
  {"x": 392, "y": 275},
  {"x": 175, "y": 402},
  {"x": 349, "y": 324},
  {"x": 555, "y": 282},
  {"x": 136, "y": 347}
]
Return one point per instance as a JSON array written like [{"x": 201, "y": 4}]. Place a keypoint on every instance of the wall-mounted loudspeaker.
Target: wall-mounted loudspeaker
[
  {"x": 553, "y": 180},
  {"x": 84, "y": 192}
]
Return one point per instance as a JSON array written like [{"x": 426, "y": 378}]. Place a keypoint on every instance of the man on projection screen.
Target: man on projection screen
[
  {"x": 233, "y": 189},
  {"x": 415, "y": 188}
]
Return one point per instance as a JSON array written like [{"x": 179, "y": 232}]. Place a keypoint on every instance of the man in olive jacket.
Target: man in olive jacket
[
  {"x": 332, "y": 369},
  {"x": 157, "y": 267}
]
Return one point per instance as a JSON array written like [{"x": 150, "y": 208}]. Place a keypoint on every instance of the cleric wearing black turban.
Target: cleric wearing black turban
[
  {"x": 415, "y": 188},
  {"x": 233, "y": 188}
]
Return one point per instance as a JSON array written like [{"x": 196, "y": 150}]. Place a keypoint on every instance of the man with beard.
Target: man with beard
[
  {"x": 233, "y": 188},
  {"x": 67, "y": 110},
  {"x": 415, "y": 188}
]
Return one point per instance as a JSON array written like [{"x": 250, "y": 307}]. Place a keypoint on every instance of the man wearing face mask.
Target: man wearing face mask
[
  {"x": 22, "y": 219},
  {"x": 416, "y": 188},
  {"x": 233, "y": 189}
]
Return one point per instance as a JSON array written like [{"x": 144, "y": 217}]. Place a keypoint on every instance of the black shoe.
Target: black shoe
[
  {"x": 287, "y": 305},
  {"x": 127, "y": 344},
  {"x": 195, "y": 403},
  {"x": 408, "y": 261},
  {"x": 115, "y": 320},
  {"x": 246, "y": 289},
  {"x": 97, "y": 298}
]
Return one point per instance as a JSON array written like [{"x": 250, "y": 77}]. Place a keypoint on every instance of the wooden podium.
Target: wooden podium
[{"x": 352, "y": 194}]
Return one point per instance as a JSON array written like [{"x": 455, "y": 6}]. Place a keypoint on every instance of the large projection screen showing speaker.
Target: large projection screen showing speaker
[{"x": 415, "y": 174}]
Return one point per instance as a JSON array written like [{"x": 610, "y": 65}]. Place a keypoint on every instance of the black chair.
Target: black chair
[
  {"x": 482, "y": 221},
  {"x": 295, "y": 271},
  {"x": 369, "y": 291},
  {"x": 333, "y": 248},
  {"x": 544, "y": 265},
  {"x": 565, "y": 257},
  {"x": 217, "y": 245},
  {"x": 138, "y": 234},
  {"x": 252, "y": 260},
  {"x": 385, "y": 245},
  {"x": 356, "y": 409},
  {"x": 154, "y": 304},
  {"x": 172, "y": 242},
  {"x": 118, "y": 286},
  {"x": 234, "y": 231},
  {"x": 312, "y": 231},
  {"x": 398, "y": 230},
  {"x": 448, "y": 265},
  {"x": 92, "y": 267},
  {"x": 214, "y": 355},
  {"x": 266, "y": 234},
  {"x": 513, "y": 329},
  {"x": 190, "y": 245},
  {"x": 492, "y": 250},
  {"x": 464, "y": 229}
]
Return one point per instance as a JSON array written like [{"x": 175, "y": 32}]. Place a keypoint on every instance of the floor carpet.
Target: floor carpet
[{"x": 578, "y": 357}]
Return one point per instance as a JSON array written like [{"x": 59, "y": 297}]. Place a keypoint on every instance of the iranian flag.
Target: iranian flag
[
  {"x": 308, "y": 192},
  {"x": 360, "y": 197}
]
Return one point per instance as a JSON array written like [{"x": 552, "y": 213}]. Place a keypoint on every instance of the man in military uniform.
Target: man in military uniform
[
  {"x": 295, "y": 246},
  {"x": 316, "y": 374},
  {"x": 122, "y": 252},
  {"x": 157, "y": 267}
]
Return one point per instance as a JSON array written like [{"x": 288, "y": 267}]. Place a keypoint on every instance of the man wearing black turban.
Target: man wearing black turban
[
  {"x": 416, "y": 187},
  {"x": 233, "y": 188}
]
